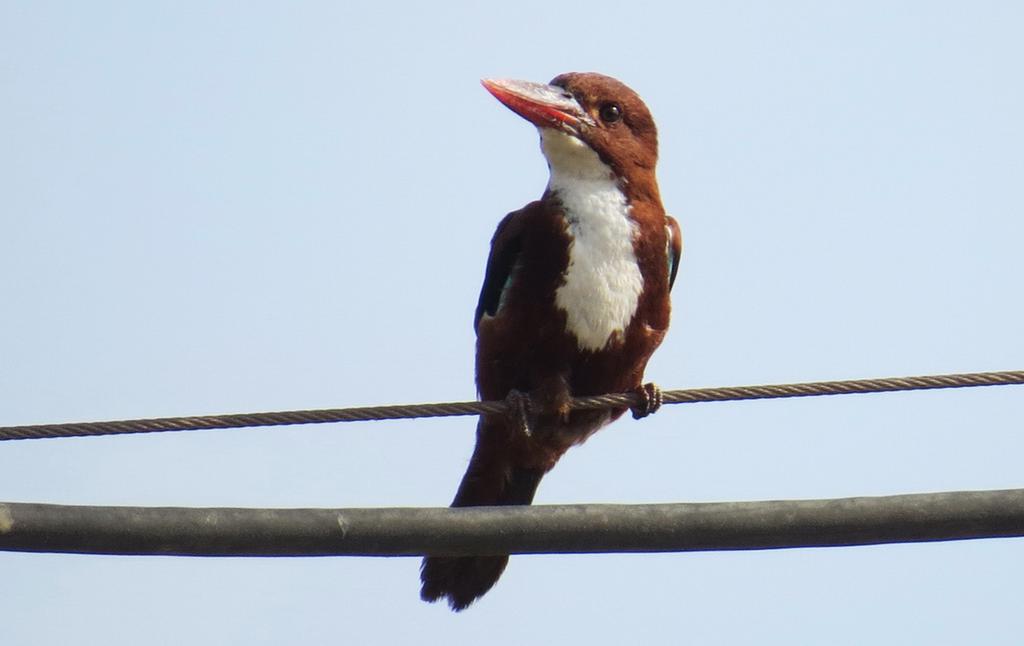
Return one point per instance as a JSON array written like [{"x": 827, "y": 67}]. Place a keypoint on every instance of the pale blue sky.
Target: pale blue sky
[{"x": 226, "y": 207}]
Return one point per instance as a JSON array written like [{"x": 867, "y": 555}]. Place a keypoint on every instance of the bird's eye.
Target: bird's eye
[{"x": 610, "y": 112}]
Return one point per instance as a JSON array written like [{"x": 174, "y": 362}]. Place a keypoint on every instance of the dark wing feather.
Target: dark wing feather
[
  {"x": 675, "y": 248},
  {"x": 506, "y": 246}
]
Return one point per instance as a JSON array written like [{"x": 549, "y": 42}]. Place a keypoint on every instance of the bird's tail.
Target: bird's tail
[{"x": 491, "y": 479}]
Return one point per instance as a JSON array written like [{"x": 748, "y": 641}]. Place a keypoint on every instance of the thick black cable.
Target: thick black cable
[{"x": 960, "y": 515}]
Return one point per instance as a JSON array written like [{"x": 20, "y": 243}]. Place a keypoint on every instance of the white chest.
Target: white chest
[{"x": 602, "y": 283}]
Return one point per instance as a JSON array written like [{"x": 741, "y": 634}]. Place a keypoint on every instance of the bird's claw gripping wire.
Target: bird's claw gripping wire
[{"x": 648, "y": 400}]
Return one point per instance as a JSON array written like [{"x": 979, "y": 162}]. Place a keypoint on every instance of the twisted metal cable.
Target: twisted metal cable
[{"x": 450, "y": 409}]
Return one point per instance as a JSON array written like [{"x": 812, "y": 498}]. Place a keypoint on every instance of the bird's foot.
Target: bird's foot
[
  {"x": 648, "y": 400},
  {"x": 518, "y": 411}
]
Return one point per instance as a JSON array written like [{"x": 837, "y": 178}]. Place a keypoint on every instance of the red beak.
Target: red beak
[{"x": 545, "y": 106}]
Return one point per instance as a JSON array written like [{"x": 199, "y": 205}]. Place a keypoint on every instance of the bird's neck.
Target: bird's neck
[
  {"x": 570, "y": 159},
  {"x": 576, "y": 169},
  {"x": 587, "y": 188}
]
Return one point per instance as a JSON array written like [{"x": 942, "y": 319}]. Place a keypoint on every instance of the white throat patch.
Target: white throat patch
[{"x": 602, "y": 284}]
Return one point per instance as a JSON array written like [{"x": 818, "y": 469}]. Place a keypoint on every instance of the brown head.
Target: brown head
[{"x": 598, "y": 111}]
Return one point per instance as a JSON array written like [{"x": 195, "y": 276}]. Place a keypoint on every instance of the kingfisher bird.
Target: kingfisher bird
[{"x": 574, "y": 302}]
